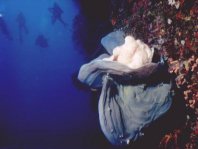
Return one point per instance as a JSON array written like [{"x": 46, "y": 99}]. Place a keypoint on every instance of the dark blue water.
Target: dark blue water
[{"x": 40, "y": 107}]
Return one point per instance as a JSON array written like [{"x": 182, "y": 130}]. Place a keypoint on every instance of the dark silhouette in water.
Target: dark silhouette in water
[
  {"x": 56, "y": 14},
  {"x": 4, "y": 29},
  {"x": 21, "y": 25},
  {"x": 41, "y": 41}
]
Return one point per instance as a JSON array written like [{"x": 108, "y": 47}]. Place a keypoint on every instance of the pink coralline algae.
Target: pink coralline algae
[{"x": 171, "y": 27}]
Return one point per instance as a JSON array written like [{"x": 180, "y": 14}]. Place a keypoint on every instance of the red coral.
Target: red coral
[
  {"x": 113, "y": 21},
  {"x": 177, "y": 41}
]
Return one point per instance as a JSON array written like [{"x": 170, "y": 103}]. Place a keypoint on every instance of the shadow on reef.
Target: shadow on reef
[{"x": 91, "y": 24}]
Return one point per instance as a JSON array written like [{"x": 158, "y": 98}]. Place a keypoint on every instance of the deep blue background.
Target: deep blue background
[{"x": 40, "y": 107}]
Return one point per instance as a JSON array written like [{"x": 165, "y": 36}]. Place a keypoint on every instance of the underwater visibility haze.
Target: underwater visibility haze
[{"x": 40, "y": 107}]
